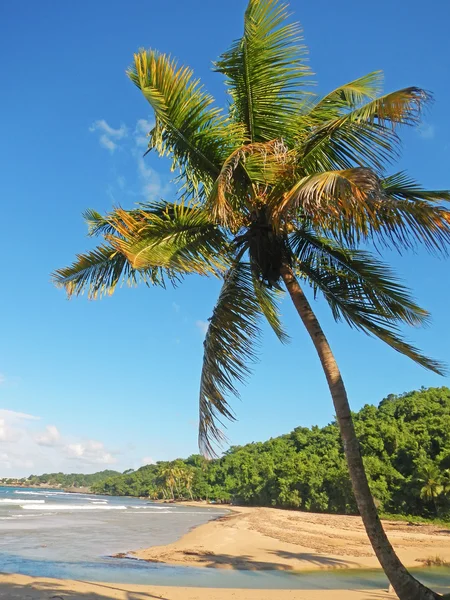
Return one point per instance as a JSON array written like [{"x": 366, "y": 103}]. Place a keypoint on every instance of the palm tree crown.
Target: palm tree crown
[{"x": 285, "y": 176}]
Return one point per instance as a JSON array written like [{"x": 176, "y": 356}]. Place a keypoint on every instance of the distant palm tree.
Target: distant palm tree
[
  {"x": 282, "y": 190},
  {"x": 431, "y": 481},
  {"x": 445, "y": 480},
  {"x": 169, "y": 475}
]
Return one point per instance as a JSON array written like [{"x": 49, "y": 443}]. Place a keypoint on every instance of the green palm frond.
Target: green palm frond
[
  {"x": 264, "y": 71},
  {"x": 355, "y": 205},
  {"x": 228, "y": 348},
  {"x": 347, "y": 97},
  {"x": 188, "y": 128},
  {"x": 363, "y": 136},
  {"x": 401, "y": 186},
  {"x": 268, "y": 300},
  {"x": 378, "y": 287},
  {"x": 353, "y": 299},
  {"x": 100, "y": 271},
  {"x": 178, "y": 237}
]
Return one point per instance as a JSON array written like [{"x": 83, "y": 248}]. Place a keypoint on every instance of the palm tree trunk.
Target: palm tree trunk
[{"x": 405, "y": 585}]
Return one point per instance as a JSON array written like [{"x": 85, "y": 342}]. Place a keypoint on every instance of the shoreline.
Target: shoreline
[{"x": 257, "y": 539}]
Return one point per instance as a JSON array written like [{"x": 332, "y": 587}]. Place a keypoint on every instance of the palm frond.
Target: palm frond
[
  {"x": 228, "y": 348},
  {"x": 363, "y": 136},
  {"x": 376, "y": 284},
  {"x": 347, "y": 97},
  {"x": 365, "y": 303},
  {"x": 179, "y": 237},
  {"x": 264, "y": 71},
  {"x": 268, "y": 300},
  {"x": 252, "y": 166},
  {"x": 188, "y": 128},
  {"x": 100, "y": 271},
  {"x": 355, "y": 205},
  {"x": 401, "y": 186}
]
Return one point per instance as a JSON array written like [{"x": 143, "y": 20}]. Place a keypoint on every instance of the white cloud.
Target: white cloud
[
  {"x": 109, "y": 136},
  {"x": 176, "y": 307},
  {"x": 51, "y": 437},
  {"x": 12, "y": 415},
  {"x": 427, "y": 131},
  {"x": 143, "y": 127},
  {"x": 2, "y": 378},
  {"x": 11, "y": 429},
  {"x": 107, "y": 143},
  {"x": 8, "y": 433},
  {"x": 91, "y": 452},
  {"x": 147, "y": 460},
  {"x": 4, "y": 460},
  {"x": 203, "y": 326},
  {"x": 152, "y": 186},
  {"x": 121, "y": 182},
  {"x": 102, "y": 125},
  {"x": 24, "y": 446}
]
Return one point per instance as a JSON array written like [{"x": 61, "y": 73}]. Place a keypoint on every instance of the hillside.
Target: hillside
[
  {"x": 61, "y": 480},
  {"x": 405, "y": 442}
]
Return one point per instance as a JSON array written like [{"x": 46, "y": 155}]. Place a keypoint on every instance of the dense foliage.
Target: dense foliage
[
  {"x": 62, "y": 480},
  {"x": 405, "y": 443}
]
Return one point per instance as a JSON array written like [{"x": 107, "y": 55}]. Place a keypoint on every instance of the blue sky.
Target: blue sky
[{"x": 114, "y": 383}]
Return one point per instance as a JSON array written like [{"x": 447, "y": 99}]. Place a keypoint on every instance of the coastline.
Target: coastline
[{"x": 256, "y": 539}]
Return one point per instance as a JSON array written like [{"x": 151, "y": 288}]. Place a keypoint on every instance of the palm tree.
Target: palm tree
[
  {"x": 284, "y": 189},
  {"x": 169, "y": 475},
  {"x": 432, "y": 484},
  {"x": 445, "y": 481}
]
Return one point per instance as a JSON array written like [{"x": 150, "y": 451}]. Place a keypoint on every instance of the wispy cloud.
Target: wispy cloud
[
  {"x": 427, "y": 131},
  {"x": 143, "y": 127},
  {"x": 12, "y": 415},
  {"x": 203, "y": 326},
  {"x": 109, "y": 136},
  {"x": 176, "y": 307},
  {"x": 147, "y": 460},
  {"x": 153, "y": 187}
]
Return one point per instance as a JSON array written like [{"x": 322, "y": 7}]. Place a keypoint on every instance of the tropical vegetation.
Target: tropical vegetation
[
  {"x": 287, "y": 188},
  {"x": 63, "y": 480},
  {"x": 405, "y": 444}
]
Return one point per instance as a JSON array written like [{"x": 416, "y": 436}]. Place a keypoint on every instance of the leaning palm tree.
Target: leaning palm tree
[{"x": 284, "y": 189}]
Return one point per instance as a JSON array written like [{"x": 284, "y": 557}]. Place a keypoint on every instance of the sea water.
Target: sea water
[{"x": 51, "y": 533}]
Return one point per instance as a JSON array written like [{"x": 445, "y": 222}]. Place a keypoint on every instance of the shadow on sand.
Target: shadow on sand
[
  {"x": 55, "y": 590},
  {"x": 247, "y": 563}
]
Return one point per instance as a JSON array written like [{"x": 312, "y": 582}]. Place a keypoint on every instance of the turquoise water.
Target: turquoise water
[{"x": 53, "y": 534}]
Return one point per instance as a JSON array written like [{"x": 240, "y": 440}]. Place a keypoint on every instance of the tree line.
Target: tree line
[
  {"x": 405, "y": 443},
  {"x": 61, "y": 480}
]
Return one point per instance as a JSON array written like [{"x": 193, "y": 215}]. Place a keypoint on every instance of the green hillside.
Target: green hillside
[
  {"x": 64, "y": 480},
  {"x": 405, "y": 442}
]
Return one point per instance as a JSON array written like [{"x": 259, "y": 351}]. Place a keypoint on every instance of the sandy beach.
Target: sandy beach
[
  {"x": 267, "y": 538},
  {"x": 20, "y": 587},
  {"x": 256, "y": 539}
]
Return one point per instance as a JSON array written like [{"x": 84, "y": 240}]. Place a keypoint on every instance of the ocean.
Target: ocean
[{"x": 50, "y": 533}]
